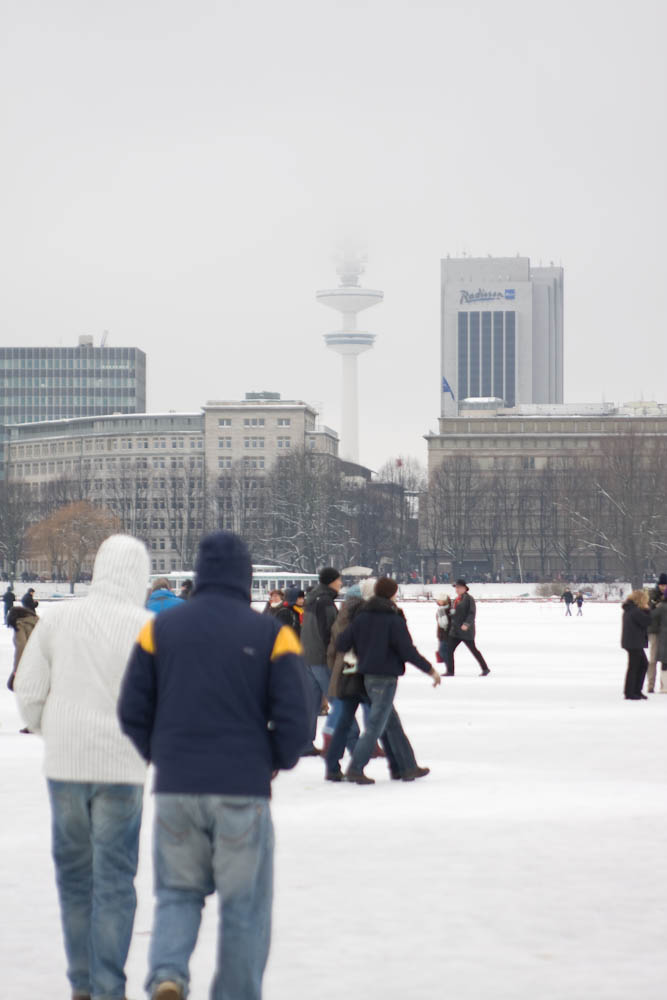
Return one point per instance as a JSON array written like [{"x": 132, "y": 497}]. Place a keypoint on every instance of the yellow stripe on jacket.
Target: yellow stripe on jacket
[
  {"x": 286, "y": 642},
  {"x": 147, "y": 638}
]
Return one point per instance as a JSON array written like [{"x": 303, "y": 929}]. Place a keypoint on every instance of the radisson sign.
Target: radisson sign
[{"x": 483, "y": 295}]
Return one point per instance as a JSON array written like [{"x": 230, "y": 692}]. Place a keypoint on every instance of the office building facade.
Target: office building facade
[
  {"x": 501, "y": 332},
  {"x": 168, "y": 476},
  {"x": 52, "y": 383}
]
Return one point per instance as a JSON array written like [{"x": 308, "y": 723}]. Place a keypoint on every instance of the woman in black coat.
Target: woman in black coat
[{"x": 634, "y": 639}]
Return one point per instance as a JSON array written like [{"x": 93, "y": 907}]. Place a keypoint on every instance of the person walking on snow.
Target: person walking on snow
[
  {"x": 8, "y": 599},
  {"x": 383, "y": 645},
  {"x": 443, "y": 618},
  {"x": 463, "y": 627},
  {"x": 22, "y": 622},
  {"x": 67, "y": 690},
  {"x": 291, "y": 610},
  {"x": 568, "y": 597},
  {"x": 216, "y": 697},
  {"x": 655, "y": 598},
  {"x": 28, "y": 600},
  {"x": 319, "y": 614},
  {"x": 162, "y": 597},
  {"x": 634, "y": 639},
  {"x": 579, "y": 601},
  {"x": 659, "y": 622}
]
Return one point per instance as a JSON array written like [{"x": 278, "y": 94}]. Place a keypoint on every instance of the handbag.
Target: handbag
[{"x": 352, "y": 686}]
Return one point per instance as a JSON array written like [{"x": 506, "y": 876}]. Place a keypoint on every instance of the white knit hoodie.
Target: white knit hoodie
[{"x": 70, "y": 673}]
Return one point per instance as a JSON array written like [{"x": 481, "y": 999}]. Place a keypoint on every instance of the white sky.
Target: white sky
[{"x": 180, "y": 172}]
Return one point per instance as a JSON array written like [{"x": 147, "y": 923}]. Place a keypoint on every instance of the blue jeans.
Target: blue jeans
[
  {"x": 320, "y": 677},
  {"x": 397, "y": 747},
  {"x": 95, "y": 830},
  {"x": 381, "y": 692},
  {"x": 353, "y": 732},
  {"x": 205, "y": 843}
]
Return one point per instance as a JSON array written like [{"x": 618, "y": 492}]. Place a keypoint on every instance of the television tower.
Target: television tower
[{"x": 349, "y": 299}]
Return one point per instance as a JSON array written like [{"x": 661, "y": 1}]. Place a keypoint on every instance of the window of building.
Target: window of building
[
  {"x": 463, "y": 355},
  {"x": 284, "y": 442},
  {"x": 284, "y": 422},
  {"x": 224, "y": 442},
  {"x": 224, "y": 422}
]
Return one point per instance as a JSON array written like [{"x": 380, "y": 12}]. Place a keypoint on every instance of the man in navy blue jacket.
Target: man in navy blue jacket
[{"x": 216, "y": 697}]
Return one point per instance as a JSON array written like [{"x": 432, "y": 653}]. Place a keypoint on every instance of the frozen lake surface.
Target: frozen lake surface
[{"x": 531, "y": 863}]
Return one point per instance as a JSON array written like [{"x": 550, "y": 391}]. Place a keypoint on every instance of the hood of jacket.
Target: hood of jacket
[
  {"x": 627, "y": 605},
  {"x": 17, "y": 613},
  {"x": 224, "y": 564},
  {"x": 381, "y": 606},
  {"x": 348, "y": 612},
  {"x": 317, "y": 592},
  {"x": 121, "y": 570}
]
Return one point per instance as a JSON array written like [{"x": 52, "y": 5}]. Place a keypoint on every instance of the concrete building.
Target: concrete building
[
  {"x": 163, "y": 474},
  {"x": 350, "y": 299},
  {"x": 51, "y": 383},
  {"x": 539, "y": 456},
  {"x": 501, "y": 331}
]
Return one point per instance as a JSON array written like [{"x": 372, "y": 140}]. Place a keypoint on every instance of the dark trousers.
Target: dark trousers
[
  {"x": 634, "y": 678},
  {"x": 395, "y": 743},
  {"x": 470, "y": 644}
]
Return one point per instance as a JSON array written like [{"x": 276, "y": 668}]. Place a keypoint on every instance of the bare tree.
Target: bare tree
[
  {"x": 71, "y": 536},
  {"x": 17, "y": 509},
  {"x": 454, "y": 493}
]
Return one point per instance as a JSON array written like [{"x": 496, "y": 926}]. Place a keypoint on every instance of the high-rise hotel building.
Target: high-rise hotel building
[{"x": 501, "y": 332}]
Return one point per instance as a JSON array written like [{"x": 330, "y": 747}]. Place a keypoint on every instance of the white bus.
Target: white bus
[{"x": 264, "y": 580}]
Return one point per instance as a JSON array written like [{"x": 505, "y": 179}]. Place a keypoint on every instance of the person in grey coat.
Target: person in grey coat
[
  {"x": 659, "y": 624},
  {"x": 462, "y": 628}
]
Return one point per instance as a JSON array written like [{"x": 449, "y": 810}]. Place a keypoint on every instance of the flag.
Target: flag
[{"x": 446, "y": 388}]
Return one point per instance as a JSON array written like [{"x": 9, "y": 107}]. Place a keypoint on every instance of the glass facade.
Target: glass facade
[
  {"x": 463, "y": 355},
  {"x": 487, "y": 355},
  {"x": 51, "y": 383},
  {"x": 474, "y": 355}
]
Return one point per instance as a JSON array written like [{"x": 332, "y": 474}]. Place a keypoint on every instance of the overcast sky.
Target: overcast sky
[{"x": 179, "y": 172}]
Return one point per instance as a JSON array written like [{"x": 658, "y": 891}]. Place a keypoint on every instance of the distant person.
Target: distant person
[
  {"x": 656, "y": 596},
  {"x": 22, "y": 621},
  {"x": 28, "y": 600},
  {"x": 319, "y": 614},
  {"x": 567, "y": 597},
  {"x": 186, "y": 590},
  {"x": 659, "y": 622},
  {"x": 67, "y": 688},
  {"x": 463, "y": 628},
  {"x": 162, "y": 597},
  {"x": 443, "y": 618},
  {"x": 8, "y": 599},
  {"x": 380, "y": 638},
  {"x": 579, "y": 601},
  {"x": 634, "y": 639},
  {"x": 274, "y": 603},
  {"x": 291, "y": 610},
  {"x": 216, "y": 698}
]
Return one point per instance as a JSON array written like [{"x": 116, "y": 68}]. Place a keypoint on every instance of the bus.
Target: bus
[{"x": 264, "y": 580}]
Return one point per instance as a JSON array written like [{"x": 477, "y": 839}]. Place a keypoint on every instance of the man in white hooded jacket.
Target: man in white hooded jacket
[{"x": 67, "y": 690}]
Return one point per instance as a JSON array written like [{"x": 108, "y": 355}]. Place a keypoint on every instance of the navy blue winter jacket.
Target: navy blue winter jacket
[
  {"x": 216, "y": 695},
  {"x": 379, "y": 635}
]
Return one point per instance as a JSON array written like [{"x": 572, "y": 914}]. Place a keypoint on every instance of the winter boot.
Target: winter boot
[
  {"x": 415, "y": 772},
  {"x": 312, "y": 751},
  {"x": 378, "y": 752},
  {"x": 358, "y": 778},
  {"x": 168, "y": 991},
  {"x": 485, "y": 673},
  {"x": 334, "y": 775}
]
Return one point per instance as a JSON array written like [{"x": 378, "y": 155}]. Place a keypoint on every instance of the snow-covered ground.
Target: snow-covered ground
[{"x": 531, "y": 863}]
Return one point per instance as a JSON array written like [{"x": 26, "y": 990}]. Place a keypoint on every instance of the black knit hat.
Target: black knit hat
[
  {"x": 386, "y": 587},
  {"x": 461, "y": 583},
  {"x": 662, "y": 579},
  {"x": 328, "y": 575}
]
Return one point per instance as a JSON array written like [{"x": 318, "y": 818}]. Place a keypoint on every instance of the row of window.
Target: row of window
[
  {"x": 255, "y": 422},
  {"x": 102, "y": 444},
  {"x": 487, "y": 355}
]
